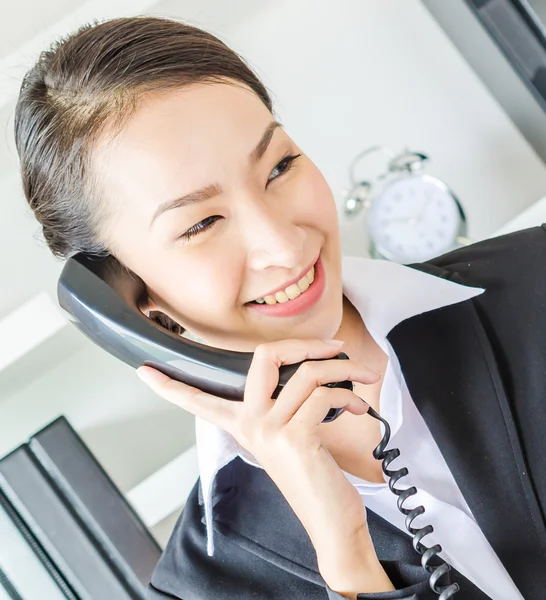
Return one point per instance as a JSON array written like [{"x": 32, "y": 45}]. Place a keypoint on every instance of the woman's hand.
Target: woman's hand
[{"x": 283, "y": 436}]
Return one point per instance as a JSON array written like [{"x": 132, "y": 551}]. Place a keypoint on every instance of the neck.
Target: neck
[
  {"x": 361, "y": 347},
  {"x": 351, "y": 438}
]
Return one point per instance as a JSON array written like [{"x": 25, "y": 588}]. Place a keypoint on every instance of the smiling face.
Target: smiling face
[{"x": 260, "y": 219}]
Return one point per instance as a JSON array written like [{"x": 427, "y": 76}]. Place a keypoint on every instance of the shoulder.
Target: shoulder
[
  {"x": 509, "y": 267},
  {"x": 515, "y": 259},
  {"x": 512, "y": 309}
]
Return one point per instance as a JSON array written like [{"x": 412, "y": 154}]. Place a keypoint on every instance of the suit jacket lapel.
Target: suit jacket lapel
[
  {"x": 455, "y": 383},
  {"x": 249, "y": 508}
]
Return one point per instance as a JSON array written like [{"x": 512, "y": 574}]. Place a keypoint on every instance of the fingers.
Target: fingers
[
  {"x": 263, "y": 375},
  {"x": 263, "y": 378},
  {"x": 316, "y": 407},
  {"x": 219, "y": 411},
  {"x": 309, "y": 378}
]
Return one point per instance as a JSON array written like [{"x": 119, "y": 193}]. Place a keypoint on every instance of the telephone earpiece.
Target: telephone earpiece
[{"x": 103, "y": 301}]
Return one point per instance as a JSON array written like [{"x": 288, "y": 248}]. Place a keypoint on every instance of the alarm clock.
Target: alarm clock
[{"x": 411, "y": 216}]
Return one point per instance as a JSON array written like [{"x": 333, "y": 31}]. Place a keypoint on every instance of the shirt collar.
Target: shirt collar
[{"x": 385, "y": 294}]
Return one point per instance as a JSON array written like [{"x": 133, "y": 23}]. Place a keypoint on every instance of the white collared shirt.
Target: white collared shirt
[{"x": 385, "y": 294}]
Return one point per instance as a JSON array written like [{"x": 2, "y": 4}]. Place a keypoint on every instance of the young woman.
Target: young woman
[{"x": 150, "y": 140}]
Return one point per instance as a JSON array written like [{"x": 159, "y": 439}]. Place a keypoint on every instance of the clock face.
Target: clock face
[{"x": 414, "y": 218}]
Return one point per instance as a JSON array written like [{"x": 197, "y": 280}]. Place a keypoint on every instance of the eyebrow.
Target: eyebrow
[{"x": 213, "y": 189}]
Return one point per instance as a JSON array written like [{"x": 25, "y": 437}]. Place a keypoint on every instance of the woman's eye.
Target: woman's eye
[
  {"x": 284, "y": 166},
  {"x": 198, "y": 228}
]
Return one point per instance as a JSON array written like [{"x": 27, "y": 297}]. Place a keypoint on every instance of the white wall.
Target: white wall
[{"x": 344, "y": 75}]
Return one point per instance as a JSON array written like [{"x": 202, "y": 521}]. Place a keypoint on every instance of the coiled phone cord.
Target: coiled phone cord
[{"x": 436, "y": 571}]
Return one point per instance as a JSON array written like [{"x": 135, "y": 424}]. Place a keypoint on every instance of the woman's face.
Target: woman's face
[{"x": 266, "y": 220}]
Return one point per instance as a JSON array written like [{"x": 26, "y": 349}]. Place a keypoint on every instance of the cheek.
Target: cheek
[
  {"x": 202, "y": 287},
  {"x": 318, "y": 199}
]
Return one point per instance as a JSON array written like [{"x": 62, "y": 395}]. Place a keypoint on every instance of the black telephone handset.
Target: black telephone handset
[{"x": 103, "y": 301}]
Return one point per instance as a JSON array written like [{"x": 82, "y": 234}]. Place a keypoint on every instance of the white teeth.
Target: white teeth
[{"x": 292, "y": 291}]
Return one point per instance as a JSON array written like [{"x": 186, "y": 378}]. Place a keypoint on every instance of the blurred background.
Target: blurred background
[{"x": 432, "y": 76}]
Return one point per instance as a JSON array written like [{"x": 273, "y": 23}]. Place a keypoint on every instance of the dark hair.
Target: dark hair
[{"x": 91, "y": 81}]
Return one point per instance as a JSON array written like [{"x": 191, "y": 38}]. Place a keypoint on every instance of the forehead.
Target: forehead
[{"x": 194, "y": 132}]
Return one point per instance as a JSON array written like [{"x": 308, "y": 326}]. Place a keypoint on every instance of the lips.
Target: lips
[
  {"x": 287, "y": 284},
  {"x": 299, "y": 305}
]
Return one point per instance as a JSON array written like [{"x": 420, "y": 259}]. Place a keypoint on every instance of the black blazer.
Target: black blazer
[{"x": 476, "y": 371}]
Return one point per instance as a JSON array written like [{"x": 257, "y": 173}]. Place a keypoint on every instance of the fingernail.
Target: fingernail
[{"x": 334, "y": 342}]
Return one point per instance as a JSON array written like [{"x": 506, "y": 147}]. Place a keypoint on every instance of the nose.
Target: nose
[{"x": 272, "y": 237}]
